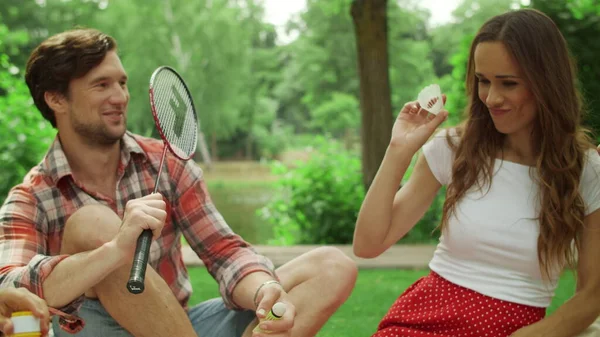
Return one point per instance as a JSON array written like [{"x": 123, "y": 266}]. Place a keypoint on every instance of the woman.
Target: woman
[{"x": 523, "y": 193}]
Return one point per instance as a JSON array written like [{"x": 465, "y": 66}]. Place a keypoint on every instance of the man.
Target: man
[{"x": 68, "y": 233}]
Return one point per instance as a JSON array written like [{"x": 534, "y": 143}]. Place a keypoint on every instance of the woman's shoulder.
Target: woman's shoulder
[
  {"x": 452, "y": 132},
  {"x": 446, "y": 139},
  {"x": 589, "y": 184},
  {"x": 591, "y": 166}
]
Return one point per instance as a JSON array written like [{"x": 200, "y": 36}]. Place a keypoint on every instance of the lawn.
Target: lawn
[{"x": 375, "y": 291}]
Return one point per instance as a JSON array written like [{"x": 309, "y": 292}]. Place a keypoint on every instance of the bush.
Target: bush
[
  {"x": 424, "y": 231},
  {"x": 318, "y": 201},
  {"x": 26, "y": 135}
]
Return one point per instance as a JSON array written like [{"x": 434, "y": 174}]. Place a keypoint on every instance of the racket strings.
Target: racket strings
[{"x": 175, "y": 113}]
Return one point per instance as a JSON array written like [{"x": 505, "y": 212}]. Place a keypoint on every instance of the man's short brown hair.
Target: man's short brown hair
[{"x": 61, "y": 58}]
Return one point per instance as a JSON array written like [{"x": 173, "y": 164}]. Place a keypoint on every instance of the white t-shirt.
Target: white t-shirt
[{"x": 490, "y": 244}]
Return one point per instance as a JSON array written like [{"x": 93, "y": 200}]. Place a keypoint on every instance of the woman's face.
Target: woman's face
[{"x": 503, "y": 89}]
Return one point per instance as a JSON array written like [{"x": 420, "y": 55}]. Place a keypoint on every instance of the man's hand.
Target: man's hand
[
  {"x": 20, "y": 299},
  {"x": 268, "y": 296},
  {"x": 148, "y": 212}
]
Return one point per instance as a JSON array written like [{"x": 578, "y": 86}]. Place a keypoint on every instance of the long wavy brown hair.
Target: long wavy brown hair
[{"x": 559, "y": 140}]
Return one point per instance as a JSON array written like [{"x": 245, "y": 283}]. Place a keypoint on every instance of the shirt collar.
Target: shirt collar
[{"x": 55, "y": 162}]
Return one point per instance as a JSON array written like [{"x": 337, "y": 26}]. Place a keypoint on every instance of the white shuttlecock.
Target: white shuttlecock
[{"x": 430, "y": 99}]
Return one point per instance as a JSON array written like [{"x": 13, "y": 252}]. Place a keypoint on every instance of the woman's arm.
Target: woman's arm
[
  {"x": 579, "y": 312},
  {"x": 384, "y": 218}
]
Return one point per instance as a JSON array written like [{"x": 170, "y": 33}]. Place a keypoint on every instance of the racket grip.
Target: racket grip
[{"x": 135, "y": 285}]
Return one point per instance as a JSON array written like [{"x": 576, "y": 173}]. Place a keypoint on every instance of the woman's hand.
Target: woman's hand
[{"x": 414, "y": 126}]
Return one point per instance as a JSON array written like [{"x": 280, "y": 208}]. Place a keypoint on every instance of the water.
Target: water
[{"x": 238, "y": 203}]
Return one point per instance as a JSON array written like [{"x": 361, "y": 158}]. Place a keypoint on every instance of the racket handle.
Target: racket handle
[{"x": 135, "y": 285}]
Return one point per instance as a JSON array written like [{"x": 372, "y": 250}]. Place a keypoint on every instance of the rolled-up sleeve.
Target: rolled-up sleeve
[
  {"x": 24, "y": 257},
  {"x": 227, "y": 257}
]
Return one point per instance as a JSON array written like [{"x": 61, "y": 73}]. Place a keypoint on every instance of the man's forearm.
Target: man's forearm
[
  {"x": 76, "y": 274},
  {"x": 243, "y": 294}
]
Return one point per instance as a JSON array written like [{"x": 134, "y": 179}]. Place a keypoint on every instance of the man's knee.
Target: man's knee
[
  {"x": 333, "y": 263},
  {"x": 88, "y": 228}
]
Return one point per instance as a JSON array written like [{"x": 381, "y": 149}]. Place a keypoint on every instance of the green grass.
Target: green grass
[{"x": 375, "y": 291}]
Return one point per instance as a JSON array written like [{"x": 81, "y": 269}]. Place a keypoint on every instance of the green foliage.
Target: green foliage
[
  {"x": 450, "y": 45},
  {"x": 322, "y": 62},
  {"x": 223, "y": 48},
  {"x": 409, "y": 50},
  {"x": 271, "y": 140},
  {"x": 453, "y": 84},
  {"x": 340, "y": 113},
  {"x": 36, "y": 20},
  {"x": 318, "y": 201},
  {"x": 425, "y": 229},
  {"x": 583, "y": 8},
  {"x": 25, "y": 134},
  {"x": 579, "y": 21}
]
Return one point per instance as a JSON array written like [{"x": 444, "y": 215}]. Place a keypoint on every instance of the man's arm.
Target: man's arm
[
  {"x": 62, "y": 279},
  {"x": 227, "y": 257},
  {"x": 74, "y": 275}
]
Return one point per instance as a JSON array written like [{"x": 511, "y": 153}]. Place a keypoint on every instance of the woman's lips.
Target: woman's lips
[{"x": 499, "y": 112}]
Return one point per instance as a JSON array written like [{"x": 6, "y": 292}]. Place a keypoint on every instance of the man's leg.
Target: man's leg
[
  {"x": 212, "y": 319},
  {"x": 156, "y": 311},
  {"x": 318, "y": 282},
  {"x": 98, "y": 322}
]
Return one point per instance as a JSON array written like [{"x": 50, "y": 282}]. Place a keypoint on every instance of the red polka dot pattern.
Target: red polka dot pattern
[{"x": 434, "y": 307}]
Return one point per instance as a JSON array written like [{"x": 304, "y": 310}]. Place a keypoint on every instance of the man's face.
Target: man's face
[{"x": 97, "y": 102}]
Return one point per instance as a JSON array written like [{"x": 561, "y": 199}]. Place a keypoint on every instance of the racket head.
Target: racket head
[{"x": 174, "y": 112}]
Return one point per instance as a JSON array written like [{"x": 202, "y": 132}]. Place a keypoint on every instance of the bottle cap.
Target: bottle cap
[{"x": 278, "y": 309}]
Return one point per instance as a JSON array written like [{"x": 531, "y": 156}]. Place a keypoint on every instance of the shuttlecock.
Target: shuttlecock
[{"x": 430, "y": 99}]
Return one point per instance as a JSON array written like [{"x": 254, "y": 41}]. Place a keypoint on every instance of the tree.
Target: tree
[
  {"x": 451, "y": 43},
  {"x": 371, "y": 29},
  {"x": 262, "y": 72},
  {"x": 579, "y": 22},
  {"x": 206, "y": 41},
  {"x": 40, "y": 19},
  {"x": 467, "y": 17},
  {"x": 25, "y": 134},
  {"x": 322, "y": 82}
]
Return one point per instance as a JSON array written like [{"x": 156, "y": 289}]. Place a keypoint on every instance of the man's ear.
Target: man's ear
[{"x": 56, "y": 101}]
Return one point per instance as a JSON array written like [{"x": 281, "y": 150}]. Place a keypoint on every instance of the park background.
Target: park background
[{"x": 295, "y": 116}]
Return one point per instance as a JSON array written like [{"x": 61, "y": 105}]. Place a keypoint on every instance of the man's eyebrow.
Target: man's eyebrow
[{"x": 105, "y": 78}]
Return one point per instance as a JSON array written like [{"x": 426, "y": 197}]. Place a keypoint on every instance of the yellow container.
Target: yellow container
[{"x": 25, "y": 324}]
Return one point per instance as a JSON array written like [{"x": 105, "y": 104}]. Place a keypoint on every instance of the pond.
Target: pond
[
  {"x": 239, "y": 190},
  {"x": 239, "y": 205}
]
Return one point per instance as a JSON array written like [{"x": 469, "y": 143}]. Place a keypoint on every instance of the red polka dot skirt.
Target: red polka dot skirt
[{"x": 433, "y": 306}]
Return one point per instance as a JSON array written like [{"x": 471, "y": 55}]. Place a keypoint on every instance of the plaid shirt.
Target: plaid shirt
[{"x": 33, "y": 217}]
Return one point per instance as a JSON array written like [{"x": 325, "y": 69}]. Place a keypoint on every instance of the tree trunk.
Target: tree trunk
[{"x": 370, "y": 25}]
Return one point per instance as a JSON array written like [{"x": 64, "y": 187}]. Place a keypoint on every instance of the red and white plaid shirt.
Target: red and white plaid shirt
[{"x": 33, "y": 217}]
